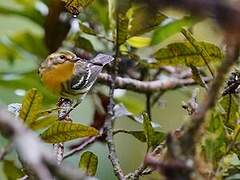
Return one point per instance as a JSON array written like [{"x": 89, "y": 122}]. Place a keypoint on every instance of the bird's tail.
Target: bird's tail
[{"x": 102, "y": 59}]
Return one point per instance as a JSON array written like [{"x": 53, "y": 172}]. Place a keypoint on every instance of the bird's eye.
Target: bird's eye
[{"x": 62, "y": 57}]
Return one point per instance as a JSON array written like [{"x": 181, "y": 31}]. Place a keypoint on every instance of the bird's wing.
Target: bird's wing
[
  {"x": 102, "y": 59},
  {"x": 85, "y": 74}
]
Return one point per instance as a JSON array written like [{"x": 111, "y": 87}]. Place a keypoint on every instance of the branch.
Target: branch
[
  {"x": 31, "y": 151},
  {"x": 110, "y": 111},
  {"x": 147, "y": 86},
  {"x": 64, "y": 105},
  {"x": 86, "y": 143}
]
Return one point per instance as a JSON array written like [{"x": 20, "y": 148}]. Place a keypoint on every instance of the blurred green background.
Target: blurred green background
[{"x": 131, "y": 152}]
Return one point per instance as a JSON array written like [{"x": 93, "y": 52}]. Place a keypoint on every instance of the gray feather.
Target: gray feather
[{"x": 102, "y": 59}]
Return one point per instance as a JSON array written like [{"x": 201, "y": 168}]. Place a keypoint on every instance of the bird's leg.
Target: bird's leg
[{"x": 71, "y": 109}]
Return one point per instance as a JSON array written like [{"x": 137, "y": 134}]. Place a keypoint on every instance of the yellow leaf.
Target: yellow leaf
[
  {"x": 43, "y": 122},
  {"x": 74, "y": 6},
  {"x": 66, "y": 131},
  {"x": 30, "y": 106},
  {"x": 184, "y": 53},
  {"x": 139, "y": 42}
]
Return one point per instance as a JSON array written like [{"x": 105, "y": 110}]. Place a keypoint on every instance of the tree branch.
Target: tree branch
[
  {"x": 110, "y": 111},
  {"x": 32, "y": 152},
  {"x": 147, "y": 86}
]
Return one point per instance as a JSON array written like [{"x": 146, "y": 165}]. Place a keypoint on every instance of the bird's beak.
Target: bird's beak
[{"x": 76, "y": 59}]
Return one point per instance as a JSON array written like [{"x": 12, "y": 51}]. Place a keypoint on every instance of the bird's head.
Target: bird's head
[
  {"x": 57, "y": 68},
  {"x": 57, "y": 58},
  {"x": 61, "y": 57}
]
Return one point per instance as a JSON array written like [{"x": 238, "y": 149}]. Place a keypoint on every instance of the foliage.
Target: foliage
[
  {"x": 65, "y": 131},
  {"x": 139, "y": 36},
  {"x": 88, "y": 163}
]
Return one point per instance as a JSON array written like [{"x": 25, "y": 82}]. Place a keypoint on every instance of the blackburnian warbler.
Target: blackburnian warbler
[{"x": 70, "y": 76}]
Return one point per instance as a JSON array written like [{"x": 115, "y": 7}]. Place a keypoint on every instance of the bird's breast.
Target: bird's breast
[{"x": 54, "y": 77}]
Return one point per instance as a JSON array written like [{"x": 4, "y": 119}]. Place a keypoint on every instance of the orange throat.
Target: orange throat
[{"x": 54, "y": 77}]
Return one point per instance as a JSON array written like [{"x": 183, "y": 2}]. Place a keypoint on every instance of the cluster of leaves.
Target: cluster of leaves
[
  {"x": 132, "y": 26},
  {"x": 220, "y": 145},
  {"x": 58, "y": 131}
]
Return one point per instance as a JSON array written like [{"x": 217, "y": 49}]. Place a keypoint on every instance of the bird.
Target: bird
[{"x": 69, "y": 76}]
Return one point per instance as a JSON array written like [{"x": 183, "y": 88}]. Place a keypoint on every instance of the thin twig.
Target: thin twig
[
  {"x": 85, "y": 144},
  {"x": 229, "y": 108},
  {"x": 5, "y": 150},
  {"x": 157, "y": 97},
  {"x": 143, "y": 169},
  {"x": 110, "y": 114},
  {"x": 197, "y": 48},
  {"x": 138, "y": 172},
  {"x": 148, "y": 105}
]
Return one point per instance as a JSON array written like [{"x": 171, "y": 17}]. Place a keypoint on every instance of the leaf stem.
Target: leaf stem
[
  {"x": 189, "y": 37},
  {"x": 148, "y": 105}
]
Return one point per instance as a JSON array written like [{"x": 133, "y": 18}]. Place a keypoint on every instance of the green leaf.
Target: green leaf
[
  {"x": 119, "y": 19},
  {"x": 29, "y": 42},
  {"x": 233, "y": 177},
  {"x": 11, "y": 171},
  {"x": 8, "y": 51},
  {"x": 26, "y": 3},
  {"x": 31, "y": 106},
  {"x": 158, "y": 136},
  {"x": 121, "y": 8},
  {"x": 120, "y": 111},
  {"x": 132, "y": 102},
  {"x": 230, "y": 107},
  {"x": 236, "y": 133},
  {"x": 197, "y": 76},
  {"x": 139, "y": 42},
  {"x": 66, "y": 131},
  {"x": 75, "y": 6},
  {"x": 172, "y": 27},
  {"x": 88, "y": 163},
  {"x": 183, "y": 53},
  {"x": 25, "y": 82},
  {"x": 148, "y": 130},
  {"x": 196, "y": 45},
  {"x": 214, "y": 144},
  {"x": 100, "y": 9},
  {"x": 144, "y": 19},
  {"x": 43, "y": 122},
  {"x": 87, "y": 29},
  {"x": 28, "y": 12},
  {"x": 84, "y": 43}
]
